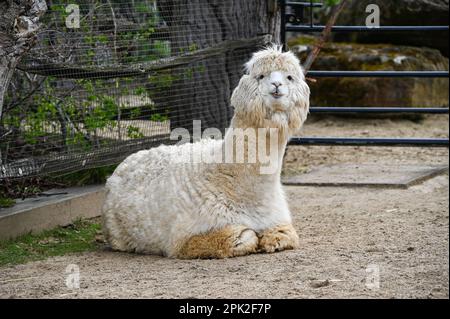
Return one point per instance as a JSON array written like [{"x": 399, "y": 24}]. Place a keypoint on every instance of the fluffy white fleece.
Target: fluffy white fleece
[{"x": 157, "y": 199}]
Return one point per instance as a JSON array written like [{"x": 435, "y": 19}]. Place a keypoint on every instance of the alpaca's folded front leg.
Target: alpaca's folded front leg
[
  {"x": 230, "y": 241},
  {"x": 278, "y": 238}
]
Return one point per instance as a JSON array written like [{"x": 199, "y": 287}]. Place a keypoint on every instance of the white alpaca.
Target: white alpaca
[{"x": 160, "y": 202}]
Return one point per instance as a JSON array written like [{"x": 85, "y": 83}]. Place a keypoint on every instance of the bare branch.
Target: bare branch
[
  {"x": 337, "y": 9},
  {"x": 66, "y": 70}
]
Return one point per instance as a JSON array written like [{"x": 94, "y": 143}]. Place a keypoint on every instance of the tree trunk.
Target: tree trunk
[
  {"x": 19, "y": 21},
  {"x": 197, "y": 24}
]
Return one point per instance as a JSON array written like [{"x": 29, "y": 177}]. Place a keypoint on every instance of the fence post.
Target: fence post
[{"x": 282, "y": 4}]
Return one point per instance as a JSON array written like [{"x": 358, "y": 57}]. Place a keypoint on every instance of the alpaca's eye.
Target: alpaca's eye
[
  {"x": 290, "y": 78},
  {"x": 261, "y": 77}
]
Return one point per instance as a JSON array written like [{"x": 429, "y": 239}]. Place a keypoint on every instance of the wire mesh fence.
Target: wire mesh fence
[{"x": 107, "y": 78}]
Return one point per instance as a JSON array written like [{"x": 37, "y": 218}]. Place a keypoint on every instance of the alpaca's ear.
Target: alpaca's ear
[
  {"x": 236, "y": 96},
  {"x": 243, "y": 91},
  {"x": 249, "y": 66}
]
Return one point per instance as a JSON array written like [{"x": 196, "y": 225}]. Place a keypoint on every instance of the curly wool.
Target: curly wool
[{"x": 157, "y": 199}]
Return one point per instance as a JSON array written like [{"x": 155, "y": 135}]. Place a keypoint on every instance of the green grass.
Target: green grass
[
  {"x": 6, "y": 202},
  {"x": 82, "y": 235}
]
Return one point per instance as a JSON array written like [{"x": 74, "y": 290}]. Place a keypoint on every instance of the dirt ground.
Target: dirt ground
[{"x": 355, "y": 242}]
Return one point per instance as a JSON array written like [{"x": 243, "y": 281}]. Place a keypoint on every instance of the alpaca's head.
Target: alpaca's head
[{"x": 273, "y": 92}]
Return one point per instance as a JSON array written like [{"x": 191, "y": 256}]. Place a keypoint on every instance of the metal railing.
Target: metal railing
[
  {"x": 319, "y": 28},
  {"x": 294, "y": 22},
  {"x": 379, "y": 110}
]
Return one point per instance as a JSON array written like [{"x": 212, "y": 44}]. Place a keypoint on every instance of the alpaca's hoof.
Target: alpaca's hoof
[
  {"x": 277, "y": 239},
  {"x": 245, "y": 241}
]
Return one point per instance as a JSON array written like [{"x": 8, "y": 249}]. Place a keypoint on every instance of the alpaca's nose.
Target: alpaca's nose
[{"x": 277, "y": 84}]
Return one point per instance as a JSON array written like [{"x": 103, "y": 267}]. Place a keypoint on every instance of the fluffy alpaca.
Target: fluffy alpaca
[{"x": 160, "y": 202}]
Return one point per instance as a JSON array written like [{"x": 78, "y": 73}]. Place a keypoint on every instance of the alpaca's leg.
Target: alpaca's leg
[
  {"x": 278, "y": 238},
  {"x": 115, "y": 233},
  {"x": 230, "y": 241}
]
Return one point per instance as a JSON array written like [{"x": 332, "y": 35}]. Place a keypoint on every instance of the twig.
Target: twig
[
  {"x": 6, "y": 134},
  {"x": 113, "y": 15},
  {"x": 52, "y": 194},
  {"x": 27, "y": 96},
  {"x": 62, "y": 121},
  {"x": 325, "y": 35},
  {"x": 18, "y": 279}
]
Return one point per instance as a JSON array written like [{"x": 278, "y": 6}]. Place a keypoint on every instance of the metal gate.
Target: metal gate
[{"x": 292, "y": 21}]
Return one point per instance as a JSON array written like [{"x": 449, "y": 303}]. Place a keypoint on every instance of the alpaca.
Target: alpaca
[{"x": 159, "y": 202}]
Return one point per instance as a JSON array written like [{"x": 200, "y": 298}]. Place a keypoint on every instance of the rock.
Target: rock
[
  {"x": 397, "y": 13},
  {"x": 319, "y": 283},
  {"x": 389, "y": 92}
]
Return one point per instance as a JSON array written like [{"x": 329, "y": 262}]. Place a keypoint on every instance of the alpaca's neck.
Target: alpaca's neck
[{"x": 263, "y": 148}]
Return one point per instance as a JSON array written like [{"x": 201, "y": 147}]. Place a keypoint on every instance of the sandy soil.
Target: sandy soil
[{"x": 355, "y": 242}]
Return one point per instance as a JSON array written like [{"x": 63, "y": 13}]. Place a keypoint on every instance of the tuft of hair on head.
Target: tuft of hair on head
[
  {"x": 270, "y": 53},
  {"x": 270, "y": 49}
]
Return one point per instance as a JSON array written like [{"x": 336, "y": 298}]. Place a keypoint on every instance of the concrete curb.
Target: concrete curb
[
  {"x": 366, "y": 175},
  {"x": 34, "y": 215}
]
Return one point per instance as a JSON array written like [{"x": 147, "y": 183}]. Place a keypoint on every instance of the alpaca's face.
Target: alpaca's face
[{"x": 273, "y": 89}]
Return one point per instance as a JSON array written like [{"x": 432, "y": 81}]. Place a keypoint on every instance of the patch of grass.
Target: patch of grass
[
  {"x": 6, "y": 202},
  {"x": 82, "y": 235}
]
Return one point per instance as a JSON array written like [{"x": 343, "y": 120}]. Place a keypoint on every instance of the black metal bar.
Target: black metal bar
[
  {"x": 319, "y": 28},
  {"x": 311, "y": 14},
  {"x": 353, "y": 141},
  {"x": 390, "y": 74},
  {"x": 415, "y": 110},
  {"x": 304, "y": 4},
  {"x": 283, "y": 23},
  {"x": 350, "y": 141}
]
